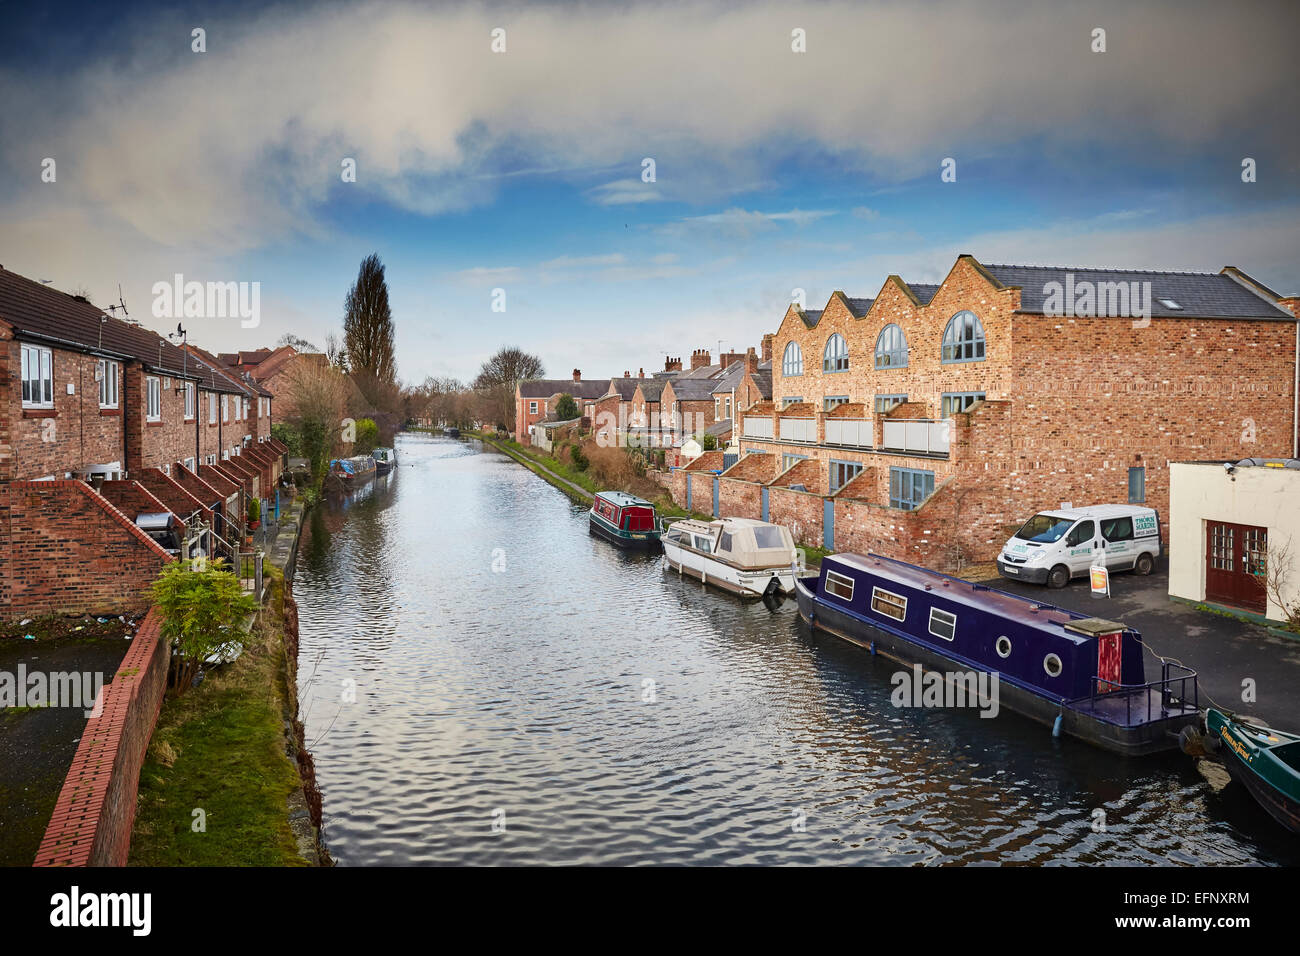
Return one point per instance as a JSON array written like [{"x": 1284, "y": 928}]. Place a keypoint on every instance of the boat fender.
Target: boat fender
[
  {"x": 1056, "y": 726},
  {"x": 872, "y": 647},
  {"x": 773, "y": 587}
]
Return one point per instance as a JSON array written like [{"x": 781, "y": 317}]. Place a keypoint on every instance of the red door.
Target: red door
[{"x": 1235, "y": 565}]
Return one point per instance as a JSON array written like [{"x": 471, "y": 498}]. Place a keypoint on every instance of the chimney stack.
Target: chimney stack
[
  {"x": 751, "y": 360},
  {"x": 672, "y": 364},
  {"x": 700, "y": 358},
  {"x": 577, "y": 375},
  {"x": 728, "y": 359},
  {"x": 641, "y": 374},
  {"x": 627, "y": 374},
  {"x": 767, "y": 346}
]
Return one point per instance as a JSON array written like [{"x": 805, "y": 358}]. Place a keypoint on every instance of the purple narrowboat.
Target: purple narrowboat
[{"x": 1082, "y": 676}]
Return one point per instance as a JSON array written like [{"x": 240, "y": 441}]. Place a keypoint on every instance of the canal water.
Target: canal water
[{"x": 483, "y": 682}]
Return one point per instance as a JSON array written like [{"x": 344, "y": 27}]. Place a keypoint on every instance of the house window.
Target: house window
[
  {"x": 789, "y": 461},
  {"x": 167, "y": 470},
  {"x": 888, "y": 603},
  {"x": 189, "y": 463},
  {"x": 38, "y": 377},
  {"x": 225, "y": 408},
  {"x": 908, "y": 487},
  {"x": 532, "y": 408},
  {"x": 963, "y": 339},
  {"x": 840, "y": 585},
  {"x": 791, "y": 400},
  {"x": 943, "y": 623},
  {"x": 153, "y": 398},
  {"x": 891, "y": 348},
  {"x": 1137, "y": 486},
  {"x": 836, "y": 356},
  {"x": 792, "y": 360},
  {"x": 107, "y": 384},
  {"x": 189, "y": 401},
  {"x": 212, "y": 459},
  {"x": 842, "y": 472},
  {"x": 212, "y": 408},
  {"x": 728, "y": 403},
  {"x": 830, "y": 401},
  {"x": 885, "y": 402},
  {"x": 954, "y": 402}
]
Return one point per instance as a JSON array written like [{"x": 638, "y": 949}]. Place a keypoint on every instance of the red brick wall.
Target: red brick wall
[
  {"x": 94, "y": 814},
  {"x": 800, "y": 511},
  {"x": 73, "y": 434},
  {"x": 68, "y": 550}
]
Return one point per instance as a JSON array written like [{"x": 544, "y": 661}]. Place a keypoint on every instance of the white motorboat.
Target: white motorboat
[{"x": 745, "y": 556}]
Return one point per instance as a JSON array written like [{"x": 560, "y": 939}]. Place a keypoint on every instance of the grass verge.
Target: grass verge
[{"x": 221, "y": 749}]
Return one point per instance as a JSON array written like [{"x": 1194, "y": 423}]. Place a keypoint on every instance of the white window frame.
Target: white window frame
[
  {"x": 877, "y": 592},
  {"x": 212, "y": 460},
  {"x": 225, "y": 408},
  {"x": 532, "y": 408},
  {"x": 43, "y": 380},
  {"x": 840, "y": 580},
  {"x": 191, "y": 403},
  {"x": 951, "y": 623},
  {"x": 108, "y": 384},
  {"x": 189, "y": 463},
  {"x": 152, "y": 398},
  {"x": 212, "y": 408}
]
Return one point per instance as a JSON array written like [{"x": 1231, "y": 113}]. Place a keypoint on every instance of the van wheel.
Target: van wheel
[
  {"x": 1058, "y": 577},
  {"x": 1143, "y": 564}
]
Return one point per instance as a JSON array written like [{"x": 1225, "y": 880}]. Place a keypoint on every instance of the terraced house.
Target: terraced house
[
  {"x": 928, "y": 421},
  {"x": 111, "y": 439}
]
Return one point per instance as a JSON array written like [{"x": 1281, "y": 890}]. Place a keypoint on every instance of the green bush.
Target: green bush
[
  {"x": 579, "y": 459},
  {"x": 255, "y": 509},
  {"x": 709, "y": 442},
  {"x": 367, "y": 437},
  {"x": 203, "y": 608},
  {"x": 566, "y": 408}
]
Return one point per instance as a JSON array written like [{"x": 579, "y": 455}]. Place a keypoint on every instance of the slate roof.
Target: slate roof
[
  {"x": 860, "y": 307},
  {"x": 811, "y": 317},
  {"x": 651, "y": 389},
  {"x": 1203, "y": 295},
  {"x": 923, "y": 291},
  {"x": 729, "y": 379},
  {"x": 719, "y": 428},
  {"x": 626, "y": 387},
  {"x": 693, "y": 389},
  {"x": 546, "y": 387},
  {"x": 39, "y": 313}
]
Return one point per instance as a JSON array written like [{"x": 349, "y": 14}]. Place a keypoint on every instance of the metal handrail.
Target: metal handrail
[{"x": 1164, "y": 684}]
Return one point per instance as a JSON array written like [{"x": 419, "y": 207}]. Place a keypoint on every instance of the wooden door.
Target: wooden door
[{"x": 1235, "y": 565}]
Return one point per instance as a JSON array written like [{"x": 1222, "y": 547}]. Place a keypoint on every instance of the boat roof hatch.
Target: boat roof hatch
[{"x": 1095, "y": 626}]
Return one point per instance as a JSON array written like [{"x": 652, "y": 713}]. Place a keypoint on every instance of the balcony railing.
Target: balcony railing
[
  {"x": 849, "y": 431},
  {"x": 799, "y": 429},
  {"x": 756, "y": 427},
  {"x": 918, "y": 436}
]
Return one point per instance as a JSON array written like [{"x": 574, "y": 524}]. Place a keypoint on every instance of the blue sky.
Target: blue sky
[{"x": 521, "y": 170}]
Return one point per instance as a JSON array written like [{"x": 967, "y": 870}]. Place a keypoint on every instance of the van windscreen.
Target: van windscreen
[{"x": 1044, "y": 529}]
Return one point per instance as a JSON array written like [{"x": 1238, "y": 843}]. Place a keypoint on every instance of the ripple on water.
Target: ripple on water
[{"x": 617, "y": 714}]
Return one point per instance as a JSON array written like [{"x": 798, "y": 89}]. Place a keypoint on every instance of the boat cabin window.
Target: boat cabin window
[
  {"x": 943, "y": 623},
  {"x": 839, "y": 585},
  {"x": 768, "y": 536},
  {"x": 1117, "y": 529},
  {"x": 703, "y": 544},
  {"x": 1083, "y": 531},
  {"x": 1044, "y": 529},
  {"x": 605, "y": 509},
  {"x": 888, "y": 603},
  {"x": 724, "y": 542}
]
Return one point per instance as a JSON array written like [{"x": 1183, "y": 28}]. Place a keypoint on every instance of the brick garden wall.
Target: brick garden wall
[{"x": 93, "y": 816}]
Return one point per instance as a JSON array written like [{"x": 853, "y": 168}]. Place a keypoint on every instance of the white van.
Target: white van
[{"x": 1054, "y": 546}]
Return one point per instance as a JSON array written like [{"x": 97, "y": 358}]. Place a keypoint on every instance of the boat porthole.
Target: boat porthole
[
  {"x": 1052, "y": 664},
  {"x": 1004, "y": 647}
]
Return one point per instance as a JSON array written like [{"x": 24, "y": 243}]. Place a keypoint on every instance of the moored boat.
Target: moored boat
[
  {"x": 350, "y": 473},
  {"x": 1264, "y": 761},
  {"x": 745, "y": 556},
  {"x": 385, "y": 459},
  {"x": 1081, "y": 675},
  {"x": 624, "y": 519}
]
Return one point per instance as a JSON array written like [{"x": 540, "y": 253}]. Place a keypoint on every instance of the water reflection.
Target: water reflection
[{"x": 510, "y": 668}]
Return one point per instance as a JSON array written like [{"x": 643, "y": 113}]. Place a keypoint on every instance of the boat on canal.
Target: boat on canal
[
  {"x": 385, "y": 460},
  {"x": 351, "y": 473},
  {"x": 1264, "y": 761},
  {"x": 1082, "y": 676},
  {"x": 744, "y": 556},
  {"x": 626, "y": 520}
]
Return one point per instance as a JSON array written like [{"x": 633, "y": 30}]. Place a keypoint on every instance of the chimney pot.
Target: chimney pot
[{"x": 577, "y": 375}]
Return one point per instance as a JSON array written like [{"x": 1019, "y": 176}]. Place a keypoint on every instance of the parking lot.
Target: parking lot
[{"x": 1225, "y": 651}]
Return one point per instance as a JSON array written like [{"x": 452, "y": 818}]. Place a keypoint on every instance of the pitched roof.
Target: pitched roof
[
  {"x": 217, "y": 376},
  {"x": 923, "y": 291},
  {"x": 1204, "y": 295},
  {"x": 626, "y": 386},
  {"x": 693, "y": 389},
  {"x": 811, "y": 317},
  {"x": 37, "y": 312},
  {"x": 859, "y": 307},
  {"x": 651, "y": 389},
  {"x": 546, "y": 387},
  {"x": 730, "y": 378}
]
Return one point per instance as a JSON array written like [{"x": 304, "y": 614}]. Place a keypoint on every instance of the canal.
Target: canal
[{"x": 482, "y": 682}]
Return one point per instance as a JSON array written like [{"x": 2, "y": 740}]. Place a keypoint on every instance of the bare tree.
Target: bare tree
[
  {"x": 317, "y": 404},
  {"x": 1279, "y": 581},
  {"x": 368, "y": 326},
  {"x": 336, "y": 353},
  {"x": 498, "y": 378},
  {"x": 298, "y": 343}
]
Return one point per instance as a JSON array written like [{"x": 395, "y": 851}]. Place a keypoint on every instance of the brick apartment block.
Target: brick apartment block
[{"x": 928, "y": 422}]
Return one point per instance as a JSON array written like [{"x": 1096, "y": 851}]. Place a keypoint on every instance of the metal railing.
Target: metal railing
[
  {"x": 756, "y": 427},
  {"x": 920, "y": 435},
  {"x": 849, "y": 431},
  {"x": 799, "y": 429},
  {"x": 1168, "y": 699}
]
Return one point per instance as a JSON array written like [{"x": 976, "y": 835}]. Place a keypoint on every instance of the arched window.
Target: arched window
[
  {"x": 963, "y": 339},
  {"x": 891, "y": 348},
  {"x": 792, "y": 362},
  {"x": 836, "y": 356}
]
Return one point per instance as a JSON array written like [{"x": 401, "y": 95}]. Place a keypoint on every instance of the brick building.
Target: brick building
[
  {"x": 535, "y": 400},
  {"x": 926, "y": 423}
]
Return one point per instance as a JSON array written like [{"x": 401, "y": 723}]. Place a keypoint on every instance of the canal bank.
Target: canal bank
[
  {"x": 488, "y": 683},
  {"x": 228, "y": 779}
]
